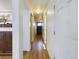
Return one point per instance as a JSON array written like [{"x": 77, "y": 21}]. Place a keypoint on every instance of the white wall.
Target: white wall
[
  {"x": 50, "y": 35},
  {"x": 50, "y": 29},
  {"x": 5, "y": 5},
  {"x": 26, "y": 30},
  {"x": 64, "y": 44}
]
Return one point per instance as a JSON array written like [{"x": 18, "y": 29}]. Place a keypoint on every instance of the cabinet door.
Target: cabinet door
[
  {"x": 8, "y": 42},
  {"x": 1, "y": 42}
]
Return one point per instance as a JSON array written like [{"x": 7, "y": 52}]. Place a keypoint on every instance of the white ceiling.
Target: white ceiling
[{"x": 43, "y": 4}]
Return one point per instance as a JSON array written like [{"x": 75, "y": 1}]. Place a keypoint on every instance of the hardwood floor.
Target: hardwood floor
[
  {"x": 5, "y": 57},
  {"x": 31, "y": 55},
  {"x": 37, "y": 52},
  {"x": 37, "y": 55}
]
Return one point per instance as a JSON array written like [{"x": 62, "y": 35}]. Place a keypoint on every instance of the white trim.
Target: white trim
[
  {"x": 5, "y": 29},
  {"x": 17, "y": 53},
  {"x": 5, "y": 11}
]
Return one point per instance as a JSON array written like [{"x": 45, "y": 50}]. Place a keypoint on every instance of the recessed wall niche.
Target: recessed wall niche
[{"x": 5, "y": 32}]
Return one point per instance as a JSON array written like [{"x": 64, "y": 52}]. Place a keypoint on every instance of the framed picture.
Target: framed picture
[{"x": 6, "y": 19}]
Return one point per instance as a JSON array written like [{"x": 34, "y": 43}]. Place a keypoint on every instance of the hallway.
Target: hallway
[{"x": 38, "y": 29}]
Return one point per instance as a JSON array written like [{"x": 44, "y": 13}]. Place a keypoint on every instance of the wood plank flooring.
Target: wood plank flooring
[
  {"x": 37, "y": 55},
  {"x": 31, "y": 55},
  {"x": 5, "y": 57},
  {"x": 37, "y": 52}
]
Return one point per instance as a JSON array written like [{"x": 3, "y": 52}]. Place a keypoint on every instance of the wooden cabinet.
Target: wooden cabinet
[{"x": 5, "y": 42}]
